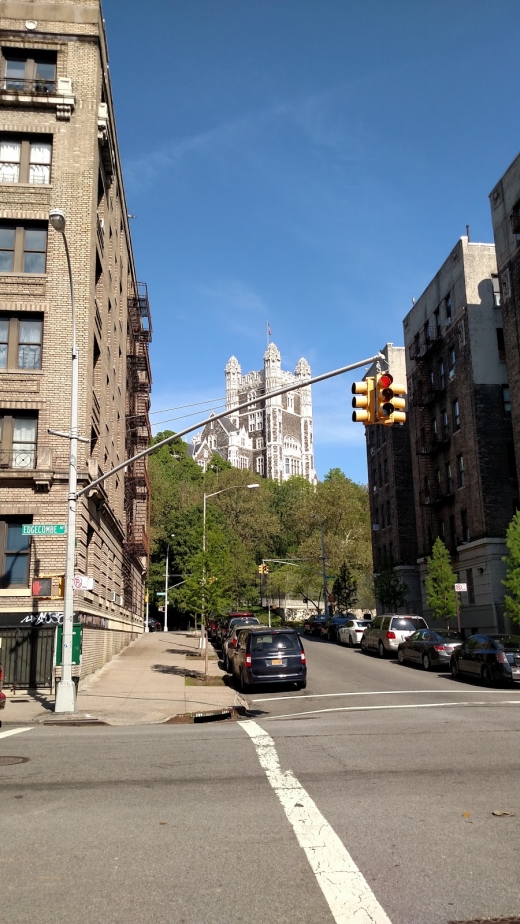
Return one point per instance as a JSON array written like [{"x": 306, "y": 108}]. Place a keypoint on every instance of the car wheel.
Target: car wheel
[
  {"x": 487, "y": 677},
  {"x": 227, "y": 666},
  {"x": 244, "y": 686},
  {"x": 301, "y": 685},
  {"x": 350, "y": 642},
  {"x": 363, "y": 646},
  {"x": 381, "y": 650},
  {"x": 454, "y": 668},
  {"x": 400, "y": 656},
  {"x": 426, "y": 663}
]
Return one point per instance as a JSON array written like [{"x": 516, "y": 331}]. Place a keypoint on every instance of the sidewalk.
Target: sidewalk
[{"x": 144, "y": 685}]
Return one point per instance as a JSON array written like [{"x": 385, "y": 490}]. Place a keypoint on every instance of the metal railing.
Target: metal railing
[{"x": 37, "y": 86}]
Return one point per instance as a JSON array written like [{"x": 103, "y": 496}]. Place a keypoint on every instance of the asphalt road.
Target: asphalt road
[{"x": 354, "y": 816}]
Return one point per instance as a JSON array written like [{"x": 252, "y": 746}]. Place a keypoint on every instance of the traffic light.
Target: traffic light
[
  {"x": 61, "y": 585},
  {"x": 41, "y": 587},
  {"x": 263, "y": 569},
  {"x": 363, "y": 402},
  {"x": 388, "y": 401},
  {"x": 266, "y": 569}
]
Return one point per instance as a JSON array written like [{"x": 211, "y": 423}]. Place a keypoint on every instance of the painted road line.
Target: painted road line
[
  {"x": 297, "y": 715},
  {"x": 274, "y": 699},
  {"x": 15, "y": 731},
  {"x": 346, "y": 890}
]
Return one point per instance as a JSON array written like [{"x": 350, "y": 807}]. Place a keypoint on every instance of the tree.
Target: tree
[
  {"x": 512, "y": 562},
  {"x": 389, "y": 589},
  {"x": 344, "y": 589},
  {"x": 440, "y": 584}
]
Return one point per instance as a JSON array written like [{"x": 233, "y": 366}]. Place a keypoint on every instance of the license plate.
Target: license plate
[{"x": 276, "y": 661}]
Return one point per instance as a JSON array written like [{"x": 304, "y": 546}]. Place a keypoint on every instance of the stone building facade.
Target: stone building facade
[
  {"x": 272, "y": 436},
  {"x": 463, "y": 467},
  {"x": 58, "y": 148},
  {"x": 392, "y": 509}
]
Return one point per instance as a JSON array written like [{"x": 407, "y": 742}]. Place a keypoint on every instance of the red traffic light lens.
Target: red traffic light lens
[{"x": 386, "y": 380}]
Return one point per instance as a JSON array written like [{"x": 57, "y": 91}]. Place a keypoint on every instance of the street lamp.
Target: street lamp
[
  {"x": 166, "y": 579},
  {"x": 314, "y": 516},
  {"x": 233, "y": 487},
  {"x": 66, "y": 691}
]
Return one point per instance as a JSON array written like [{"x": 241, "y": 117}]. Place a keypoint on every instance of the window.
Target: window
[
  {"x": 20, "y": 342},
  {"x": 259, "y": 419},
  {"x": 460, "y": 471},
  {"x": 511, "y": 459},
  {"x": 22, "y": 248},
  {"x": 34, "y": 70},
  {"x": 441, "y": 529},
  {"x": 287, "y": 467},
  {"x": 436, "y": 324},
  {"x": 385, "y": 470},
  {"x": 456, "y": 414},
  {"x": 464, "y": 525},
  {"x": 434, "y": 427},
  {"x": 442, "y": 373},
  {"x": 444, "y": 424},
  {"x": 260, "y": 465},
  {"x": 506, "y": 400},
  {"x": 388, "y": 517},
  {"x": 290, "y": 402},
  {"x": 243, "y": 462},
  {"x": 471, "y": 588},
  {"x": 453, "y": 536},
  {"x": 448, "y": 308},
  {"x": 252, "y": 422},
  {"x": 496, "y": 291},
  {"x": 14, "y": 553},
  {"x": 452, "y": 360},
  {"x": 259, "y": 442},
  {"x": 25, "y": 160},
  {"x": 449, "y": 480},
  {"x": 17, "y": 441},
  {"x": 501, "y": 344}
]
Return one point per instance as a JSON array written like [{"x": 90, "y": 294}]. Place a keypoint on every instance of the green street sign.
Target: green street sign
[{"x": 44, "y": 529}]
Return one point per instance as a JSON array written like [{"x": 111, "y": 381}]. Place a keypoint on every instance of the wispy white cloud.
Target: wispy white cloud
[{"x": 236, "y": 305}]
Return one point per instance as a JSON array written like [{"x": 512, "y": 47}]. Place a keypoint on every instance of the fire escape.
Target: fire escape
[
  {"x": 138, "y": 433},
  {"x": 428, "y": 384}
]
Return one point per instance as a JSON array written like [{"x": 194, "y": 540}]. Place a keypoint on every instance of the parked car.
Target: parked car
[
  {"x": 490, "y": 658},
  {"x": 223, "y": 627},
  {"x": 2, "y": 695},
  {"x": 332, "y": 626},
  {"x": 269, "y": 656},
  {"x": 385, "y": 632},
  {"x": 154, "y": 625},
  {"x": 350, "y": 634},
  {"x": 313, "y": 625},
  {"x": 230, "y": 642},
  {"x": 430, "y": 647}
]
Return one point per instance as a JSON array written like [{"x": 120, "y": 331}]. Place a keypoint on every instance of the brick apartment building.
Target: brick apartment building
[
  {"x": 505, "y": 212},
  {"x": 58, "y": 148},
  {"x": 272, "y": 437},
  {"x": 463, "y": 464},
  {"x": 392, "y": 510}
]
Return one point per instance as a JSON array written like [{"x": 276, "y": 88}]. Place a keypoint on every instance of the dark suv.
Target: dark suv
[{"x": 269, "y": 656}]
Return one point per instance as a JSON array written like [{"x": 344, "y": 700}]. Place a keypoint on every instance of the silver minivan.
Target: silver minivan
[{"x": 385, "y": 632}]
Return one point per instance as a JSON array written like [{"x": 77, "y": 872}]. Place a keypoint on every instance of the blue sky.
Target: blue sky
[{"x": 312, "y": 162}]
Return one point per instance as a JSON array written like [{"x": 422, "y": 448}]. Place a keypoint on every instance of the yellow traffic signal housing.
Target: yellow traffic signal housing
[
  {"x": 363, "y": 402},
  {"x": 260, "y": 569},
  {"x": 61, "y": 586},
  {"x": 266, "y": 569},
  {"x": 389, "y": 405}
]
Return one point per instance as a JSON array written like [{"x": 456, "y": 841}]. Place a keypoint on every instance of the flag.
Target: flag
[{"x": 268, "y": 329}]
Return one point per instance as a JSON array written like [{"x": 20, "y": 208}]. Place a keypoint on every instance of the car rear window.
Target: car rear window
[
  {"x": 270, "y": 641},
  {"x": 449, "y": 635},
  {"x": 244, "y": 621},
  {"x": 508, "y": 643},
  {"x": 363, "y": 623},
  {"x": 408, "y": 624}
]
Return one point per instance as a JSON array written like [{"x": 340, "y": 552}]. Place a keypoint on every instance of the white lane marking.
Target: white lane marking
[
  {"x": 346, "y": 890},
  {"x": 295, "y": 715},
  {"x": 273, "y": 699},
  {"x": 15, "y": 731}
]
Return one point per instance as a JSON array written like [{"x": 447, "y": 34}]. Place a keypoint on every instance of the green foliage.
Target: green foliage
[
  {"x": 273, "y": 521},
  {"x": 389, "y": 589},
  {"x": 512, "y": 562},
  {"x": 344, "y": 589},
  {"x": 440, "y": 581}
]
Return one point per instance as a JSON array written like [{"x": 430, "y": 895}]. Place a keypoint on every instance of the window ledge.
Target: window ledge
[
  {"x": 21, "y": 371},
  {"x": 12, "y": 592},
  {"x": 6, "y": 185}
]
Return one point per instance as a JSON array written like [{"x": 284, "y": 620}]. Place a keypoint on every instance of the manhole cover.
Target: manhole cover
[{"x": 7, "y": 761}]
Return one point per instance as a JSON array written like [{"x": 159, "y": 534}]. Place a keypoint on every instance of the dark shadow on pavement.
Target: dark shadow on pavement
[{"x": 176, "y": 671}]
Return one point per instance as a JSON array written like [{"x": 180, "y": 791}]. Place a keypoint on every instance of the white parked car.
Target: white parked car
[{"x": 350, "y": 634}]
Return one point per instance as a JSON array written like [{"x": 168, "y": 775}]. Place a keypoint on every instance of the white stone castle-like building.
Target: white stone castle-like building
[{"x": 273, "y": 436}]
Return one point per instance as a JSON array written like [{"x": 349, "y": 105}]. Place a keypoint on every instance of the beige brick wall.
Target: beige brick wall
[{"x": 104, "y": 276}]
